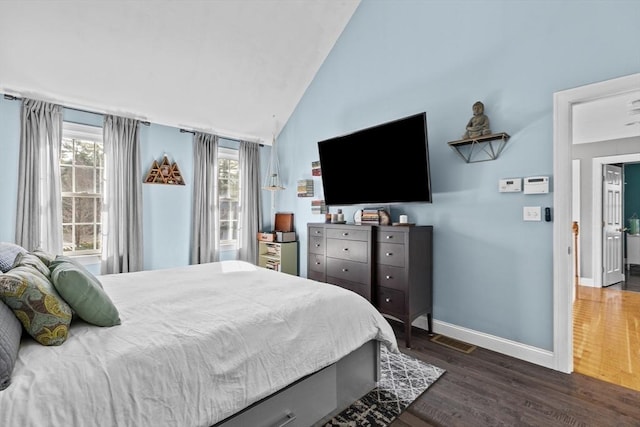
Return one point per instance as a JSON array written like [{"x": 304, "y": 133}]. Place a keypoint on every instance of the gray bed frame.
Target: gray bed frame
[{"x": 316, "y": 398}]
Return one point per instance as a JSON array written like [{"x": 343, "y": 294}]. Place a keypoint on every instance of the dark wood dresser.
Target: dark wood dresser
[{"x": 391, "y": 266}]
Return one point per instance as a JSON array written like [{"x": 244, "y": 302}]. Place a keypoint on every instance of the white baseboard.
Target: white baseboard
[
  {"x": 515, "y": 349},
  {"x": 587, "y": 281}
]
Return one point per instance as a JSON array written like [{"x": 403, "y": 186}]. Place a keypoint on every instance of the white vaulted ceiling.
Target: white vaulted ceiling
[{"x": 223, "y": 66}]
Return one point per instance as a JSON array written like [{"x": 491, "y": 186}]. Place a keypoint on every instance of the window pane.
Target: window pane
[
  {"x": 99, "y": 175},
  {"x": 84, "y": 180},
  {"x": 225, "y": 230},
  {"x": 84, "y": 237},
  {"x": 98, "y": 209},
  {"x": 67, "y": 238},
  {"x": 99, "y": 155},
  {"x": 99, "y": 240},
  {"x": 67, "y": 210},
  {"x": 66, "y": 152},
  {"x": 66, "y": 179},
  {"x": 234, "y": 187},
  {"x": 84, "y": 209},
  {"x": 85, "y": 153}
]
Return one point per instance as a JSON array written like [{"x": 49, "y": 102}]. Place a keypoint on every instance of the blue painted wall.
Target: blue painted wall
[
  {"x": 631, "y": 191},
  {"x": 493, "y": 272}
]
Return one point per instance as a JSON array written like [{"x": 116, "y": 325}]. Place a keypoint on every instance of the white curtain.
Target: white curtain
[
  {"x": 250, "y": 203},
  {"x": 39, "y": 207},
  {"x": 205, "y": 237},
  {"x": 122, "y": 206}
]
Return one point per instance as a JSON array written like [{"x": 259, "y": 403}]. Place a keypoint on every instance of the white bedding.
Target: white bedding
[{"x": 196, "y": 345}]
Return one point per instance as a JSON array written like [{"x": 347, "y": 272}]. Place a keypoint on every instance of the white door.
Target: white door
[{"x": 612, "y": 225}]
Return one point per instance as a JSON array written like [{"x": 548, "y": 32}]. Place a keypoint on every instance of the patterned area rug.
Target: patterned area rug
[{"x": 403, "y": 378}]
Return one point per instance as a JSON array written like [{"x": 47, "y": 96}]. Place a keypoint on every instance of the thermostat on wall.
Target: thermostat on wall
[
  {"x": 536, "y": 185},
  {"x": 510, "y": 185}
]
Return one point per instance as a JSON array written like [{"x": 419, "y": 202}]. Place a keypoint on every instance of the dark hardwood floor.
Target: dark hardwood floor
[
  {"x": 485, "y": 388},
  {"x": 631, "y": 280}
]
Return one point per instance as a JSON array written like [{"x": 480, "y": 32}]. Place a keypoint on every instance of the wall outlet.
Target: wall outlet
[{"x": 531, "y": 213}]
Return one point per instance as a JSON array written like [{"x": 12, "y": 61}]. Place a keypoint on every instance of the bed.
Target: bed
[{"x": 223, "y": 344}]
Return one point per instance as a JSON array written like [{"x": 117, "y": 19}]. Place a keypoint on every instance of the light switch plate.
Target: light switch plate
[{"x": 531, "y": 213}]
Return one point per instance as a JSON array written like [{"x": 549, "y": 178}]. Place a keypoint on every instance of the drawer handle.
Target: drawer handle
[
  {"x": 288, "y": 418},
  {"x": 389, "y": 237},
  {"x": 387, "y": 300},
  {"x": 388, "y": 254},
  {"x": 317, "y": 262},
  {"x": 388, "y": 277},
  {"x": 345, "y": 233},
  {"x": 345, "y": 269},
  {"x": 345, "y": 249},
  {"x": 317, "y": 245},
  {"x": 317, "y": 231}
]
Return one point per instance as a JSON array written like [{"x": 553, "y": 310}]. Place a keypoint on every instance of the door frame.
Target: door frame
[
  {"x": 596, "y": 220},
  {"x": 563, "y": 288}
]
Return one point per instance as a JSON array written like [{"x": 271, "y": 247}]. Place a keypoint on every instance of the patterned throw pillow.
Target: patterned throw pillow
[
  {"x": 84, "y": 293},
  {"x": 34, "y": 301},
  {"x": 8, "y": 253},
  {"x": 10, "y": 332}
]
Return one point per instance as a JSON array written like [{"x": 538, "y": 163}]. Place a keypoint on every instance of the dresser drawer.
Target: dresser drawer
[
  {"x": 390, "y": 301},
  {"x": 316, "y": 231},
  {"x": 316, "y": 275},
  {"x": 348, "y": 270},
  {"x": 359, "y": 288},
  {"x": 347, "y": 234},
  {"x": 352, "y": 250},
  {"x": 316, "y": 262},
  {"x": 391, "y": 277},
  {"x": 390, "y": 254},
  {"x": 316, "y": 245},
  {"x": 390, "y": 237}
]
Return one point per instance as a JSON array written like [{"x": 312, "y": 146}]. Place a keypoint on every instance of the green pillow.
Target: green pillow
[
  {"x": 87, "y": 299},
  {"x": 43, "y": 314},
  {"x": 59, "y": 259}
]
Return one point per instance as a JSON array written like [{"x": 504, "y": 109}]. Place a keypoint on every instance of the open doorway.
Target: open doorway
[{"x": 565, "y": 105}]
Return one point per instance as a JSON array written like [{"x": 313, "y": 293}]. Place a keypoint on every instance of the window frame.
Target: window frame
[
  {"x": 225, "y": 153},
  {"x": 87, "y": 133}
]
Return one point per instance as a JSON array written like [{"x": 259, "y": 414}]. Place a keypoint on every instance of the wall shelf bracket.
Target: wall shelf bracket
[{"x": 481, "y": 148}]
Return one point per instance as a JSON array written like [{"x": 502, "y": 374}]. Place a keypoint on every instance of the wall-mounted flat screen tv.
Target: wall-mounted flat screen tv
[{"x": 383, "y": 164}]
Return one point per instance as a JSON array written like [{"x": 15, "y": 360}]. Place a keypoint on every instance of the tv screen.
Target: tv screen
[{"x": 383, "y": 164}]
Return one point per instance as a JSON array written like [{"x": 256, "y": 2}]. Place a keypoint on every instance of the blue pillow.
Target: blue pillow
[{"x": 8, "y": 254}]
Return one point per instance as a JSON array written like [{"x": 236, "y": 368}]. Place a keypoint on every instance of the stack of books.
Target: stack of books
[
  {"x": 370, "y": 217},
  {"x": 273, "y": 250},
  {"x": 315, "y": 168},
  {"x": 272, "y": 265},
  {"x": 305, "y": 188},
  {"x": 318, "y": 207}
]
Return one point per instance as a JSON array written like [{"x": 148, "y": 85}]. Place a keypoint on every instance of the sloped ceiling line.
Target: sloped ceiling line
[{"x": 224, "y": 67}]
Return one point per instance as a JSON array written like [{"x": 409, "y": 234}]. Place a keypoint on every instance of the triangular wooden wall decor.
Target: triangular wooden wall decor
[{"x": 164, "y": 173}]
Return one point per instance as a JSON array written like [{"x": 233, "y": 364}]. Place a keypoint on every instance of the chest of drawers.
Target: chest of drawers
[{"x": 391, "y": 266}]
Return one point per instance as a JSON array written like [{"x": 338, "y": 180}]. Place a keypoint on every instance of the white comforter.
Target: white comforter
[{"x": 196, "y": 345}]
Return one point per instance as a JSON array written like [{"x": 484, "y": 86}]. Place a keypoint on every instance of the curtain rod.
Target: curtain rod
[
  {"x": 146, "y": 123},
  {"x": 193, "y": 132},
  {"x": 15, "y": 98}
]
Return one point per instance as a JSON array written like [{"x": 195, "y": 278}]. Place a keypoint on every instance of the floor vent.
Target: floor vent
[{"x": 454, "y": 344}]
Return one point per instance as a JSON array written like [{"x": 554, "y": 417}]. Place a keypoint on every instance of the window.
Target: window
[
  {"x": 228, "y": 196},
  {"x": 81, "y": 173}
]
